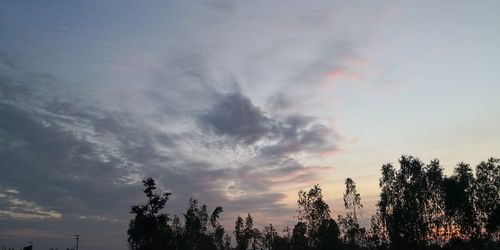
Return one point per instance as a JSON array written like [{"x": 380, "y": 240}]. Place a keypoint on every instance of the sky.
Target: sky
[{"x": 234, "y": 103}]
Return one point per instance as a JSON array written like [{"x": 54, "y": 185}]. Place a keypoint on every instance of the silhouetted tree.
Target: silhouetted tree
[
  {"x": 459, "y": 203},
  {"x": 246, "y": 235},
  {"x": 252, "y": 235},
  {"x": 352, "y": 199},
  {"x": 178, "y": 239},
  {"x": 271, "y": 240},
  {"x": 287, "y": 237},
  {"x": 488, "y": 193},
  {"x": 218, "y": 232},
  {"x": 434, "y": 205},
  {"x": 227, "y": 242},
  {"x": 299, "y": 239},
  {"x": 256, "y": 240},
  {"x": 493, "y": 224},
  {"x": 149, "y": 229},
  {"x": 419, "y": 208},
  {"x": 269, "y": 235},
  {"x": 239, "y": 234},
  {"x": 403, "y": 203},
  {"x": 378, "y": 237},
  {"x": 328, "y": 235},
  {"x": 312, "y": 211},
  {"x": 353, "y": 234},
  {"x": 196, "y": 227}
]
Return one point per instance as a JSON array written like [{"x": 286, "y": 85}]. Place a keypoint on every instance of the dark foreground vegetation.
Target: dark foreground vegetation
[{"x": 419, "y": 208}]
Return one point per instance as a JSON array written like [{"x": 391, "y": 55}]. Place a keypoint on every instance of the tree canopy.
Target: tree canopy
[{"x": 419, "y": 208}]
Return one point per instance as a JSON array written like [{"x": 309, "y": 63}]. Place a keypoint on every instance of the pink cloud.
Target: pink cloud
[
  {"x": 302, "y": 173},
  {"x": 308, "y": 174},
  {"x": 343, "y": 74}
]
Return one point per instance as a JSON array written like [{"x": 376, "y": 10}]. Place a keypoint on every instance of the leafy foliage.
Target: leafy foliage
[
  {"x": 150, "y": 229},
  {"x": 419, "y": 208},
  {"x": 312, "y": 211}
]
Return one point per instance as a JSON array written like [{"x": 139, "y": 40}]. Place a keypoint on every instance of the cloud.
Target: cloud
[
  {"x": 236, "y": 117},
  {"x": 15, "y": 208},
  {"x": 330, "y": 62},
  {"x": 342, "y": 74},
  {"x": 53, "y": 167},
  {"x": 28, "y": 233}
]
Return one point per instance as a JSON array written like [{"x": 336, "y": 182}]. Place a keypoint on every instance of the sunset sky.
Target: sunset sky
[{"x": 235, "y": 103}]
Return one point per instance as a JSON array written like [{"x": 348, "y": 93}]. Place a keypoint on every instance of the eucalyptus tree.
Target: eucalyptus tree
[
  {"x": 251, "y": 234},
  {"x": 246, "y": 235},
  {"x": 239, "y": 234},
  {"x": 377, "y": 237},
  {"x": 312, "y": 211},
  {"x": 434, "y": 206},
  {"x": 404, "y": 203},
  {"x": 487, "y": 193},
  {"x": 201, "y": 231},
  {"x": 352, "y": 199},
  {"x": 217, "y": 233},
  {"x": 459, "y": 203},
  {"x": 352, "y": 233},
  {"x": 195, "y": 224}
]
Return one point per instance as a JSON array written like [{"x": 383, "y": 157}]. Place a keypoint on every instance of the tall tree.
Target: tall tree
[
  {"x": 459, "y": 202},
  {"x": 488, "y": 192},
  {"x": 252, "y": 235},
  {"x": 352, "y": 199},
  {"x": 195, "y": 224},
  {"x": 312, "y": 211},
  {"x": 178, "y": 239},
  {"x": 201, "y": 231},
  {"x": 149, "y": 229},
  {"x": 434, "y": 205},
  {"x": 377, "y": 237},
  {"x": 218, "y": 232},
  {"x": 352, "y": 233},
  {"x": 402, "y": 204},
  {"x": 239, "y": 234}
]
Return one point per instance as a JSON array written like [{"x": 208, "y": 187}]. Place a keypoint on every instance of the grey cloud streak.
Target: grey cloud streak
[{"x": 236, "y": 117}]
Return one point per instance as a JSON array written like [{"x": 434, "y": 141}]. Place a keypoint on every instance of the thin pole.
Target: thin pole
[{"x": 77, "y": 237}]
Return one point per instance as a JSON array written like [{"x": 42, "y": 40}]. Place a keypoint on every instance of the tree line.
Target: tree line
[{"x": 419, "y": 208}]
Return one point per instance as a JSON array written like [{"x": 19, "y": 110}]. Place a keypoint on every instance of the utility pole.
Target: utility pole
[{"x": 77, "y": 237}]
